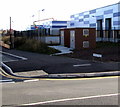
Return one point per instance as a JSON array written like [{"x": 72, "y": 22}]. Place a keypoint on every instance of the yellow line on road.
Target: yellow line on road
[
  {"x": 92, "y": 78},
  {"x": 3, "y": 74},
  {"x": 11, "y": 76}
]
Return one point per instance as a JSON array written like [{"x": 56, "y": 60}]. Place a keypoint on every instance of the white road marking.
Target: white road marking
[
  {"x": 6, "y": 80},
  {"x": 31, "y": 80},
  {"x": 80, "y": 65},
  {"x": 69, "y": 99},
  {"x": 23, "y": 58},
  {"x": 10, "y": 61}
]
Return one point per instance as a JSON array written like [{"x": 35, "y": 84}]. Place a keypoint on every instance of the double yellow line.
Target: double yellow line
[{"x": 5, "y": 74}]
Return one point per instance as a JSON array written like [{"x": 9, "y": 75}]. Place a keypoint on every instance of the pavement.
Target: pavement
[
  {"x": 32, "y": 73},
  {"x": 58, "y": 67},
  {"x": 64, "y": 50}
]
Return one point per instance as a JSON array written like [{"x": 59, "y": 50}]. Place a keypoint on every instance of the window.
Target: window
[
  {"x": 85, "y": 44},
  {"x": 99, "y": 24},
  {"x": 108, "y": 24},
  {"x": 85, "y": 32}
]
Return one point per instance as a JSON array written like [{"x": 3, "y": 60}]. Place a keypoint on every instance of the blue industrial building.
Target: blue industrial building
[
  {"x": 53, "y": 27},
  {"x": 34, "y": 27},
  {"x": 106, "y": 20}
]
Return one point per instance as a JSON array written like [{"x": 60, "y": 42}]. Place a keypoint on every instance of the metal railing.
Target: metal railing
[{"x": 112, "y": 35}]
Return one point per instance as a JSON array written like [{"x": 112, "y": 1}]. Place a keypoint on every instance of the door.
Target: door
[
  {"x": 62, "y": 38},
  {"x": 72, "y": 39}
]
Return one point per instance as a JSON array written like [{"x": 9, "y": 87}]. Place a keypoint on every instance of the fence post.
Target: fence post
[{"x": 114, "y": 34}]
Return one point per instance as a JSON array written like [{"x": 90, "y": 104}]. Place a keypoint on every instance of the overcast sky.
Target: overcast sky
[{"x": 22, "y": 11}]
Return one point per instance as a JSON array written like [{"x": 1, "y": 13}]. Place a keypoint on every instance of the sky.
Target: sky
[{"x": 21, "y": 11}]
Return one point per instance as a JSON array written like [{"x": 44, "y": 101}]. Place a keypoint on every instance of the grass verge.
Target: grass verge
[{"x": 109, "y": 50}]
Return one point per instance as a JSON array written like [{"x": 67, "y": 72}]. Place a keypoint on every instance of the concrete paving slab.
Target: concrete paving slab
[
  {"x": 31, "y": 73},
  {"x": 64, "y": 50}
]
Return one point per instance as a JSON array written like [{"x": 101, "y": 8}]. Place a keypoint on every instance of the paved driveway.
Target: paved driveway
[{"x": 56, "y": 64}]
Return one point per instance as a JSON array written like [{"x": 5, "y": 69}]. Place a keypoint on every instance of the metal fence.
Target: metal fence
[
  {"x": 112, "y": 35},
  {"x": 31, "y": 33}
]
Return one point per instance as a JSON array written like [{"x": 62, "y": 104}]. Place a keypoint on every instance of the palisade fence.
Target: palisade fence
[
  {"x": 31, "y": 33},
  {"x": 111, "y": 35},
  {"x": 42, "y": 35}
]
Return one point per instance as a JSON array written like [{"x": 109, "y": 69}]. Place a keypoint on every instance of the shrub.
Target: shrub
[
  {"x": 18, "y": 41},
  {"x": 107, "y": 44},
  {"x": 33, "y": 45}
]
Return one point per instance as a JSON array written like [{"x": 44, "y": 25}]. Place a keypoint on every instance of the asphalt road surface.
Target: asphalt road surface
[
  {"x": 5, "y": 79},
  {"x": 7, "y": 58},
  {"x": 91, "y": 91},
  {"x": 57, "y": 64}
]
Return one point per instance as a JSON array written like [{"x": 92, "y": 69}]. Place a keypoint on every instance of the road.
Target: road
[
  {"x": 57, "y": 64},
  {"x": 90, "y": 91},
  {"x": 98, "y": 91},
  {"x": 7, "y": 58}
]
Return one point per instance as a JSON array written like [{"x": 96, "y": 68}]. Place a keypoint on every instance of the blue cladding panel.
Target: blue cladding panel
[
  {"x": 38, "y": 26},
  {"x": 99, "y": 17},
  {"x": 116, "y": 14},
  {"x": 71, "y": 24},
  {"x": 92, "y": 11},
  {"x": 86, "y": 16},
  {"x": 116, "y": 23},
  {"x": 93, "y": 25},
  {"x": 86, "y": 22},
  {"x": 80, "y": 20},
  {"x": 108, "y": 11},
  {"x": 81, "y": 14},
  {"x": 59, "y": 21},
  {"x": 76, "y": 18},
  {"x": 33, "y": 28},
  {"x": 59, "y": 26}
]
